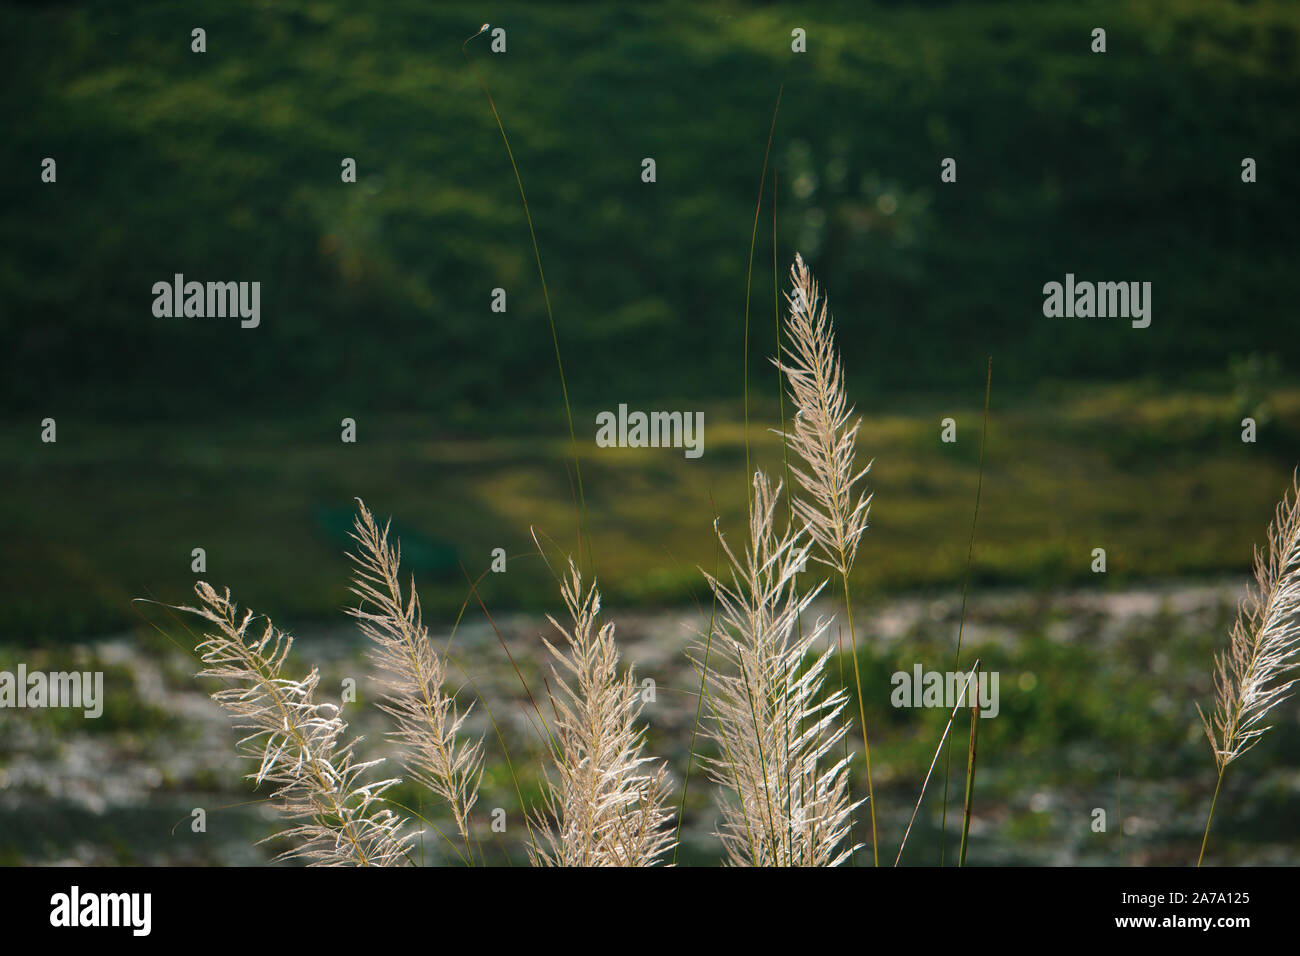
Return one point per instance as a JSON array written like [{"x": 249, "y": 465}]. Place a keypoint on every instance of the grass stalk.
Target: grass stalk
[
  {"x": 550, "y": 317},
  {"x": 965, "y": 590},
  {"x": 947, "y": 727},
  {"x": 749, "y": 275},
  {"x": 970, "y": 783},
  {"x": 862, "y": 716},
  {"x": 1210, "y": 819},
  {"x": 1252, "y": 675}
]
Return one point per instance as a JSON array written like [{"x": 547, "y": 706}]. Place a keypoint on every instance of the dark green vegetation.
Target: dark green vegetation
[{"x": 375, "y": 296}]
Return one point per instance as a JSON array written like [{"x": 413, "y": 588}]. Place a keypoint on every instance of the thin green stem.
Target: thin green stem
[
  {"x": 926, "y": 783},
  {"x": 789, "y": 503},
  {"x": 1213, "y": 803},
  {"x": 965, "y": 590},
  {"x": 839, "y": 666},
  {"x": 749, "y": 278},
  {"x": 699, "y": 704},
  {"x": 550, "y": 318},
  {"x": 970, "y": 783},
  {"x": 762, "y": 759},
  {"x": 862, "y": 716}
]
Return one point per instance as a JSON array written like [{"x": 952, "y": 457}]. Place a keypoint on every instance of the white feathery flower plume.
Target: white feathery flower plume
[
  {"x": 1264, "y": 644},
  {"x": 784, "y": 803},
  {"x": 823, "y": 435},
  {"x": 412, "y": 673},
  {"x": 608, "y": 805},
  {"x": 298, "y": 742},
  {"x": 1251, "y": 675}
]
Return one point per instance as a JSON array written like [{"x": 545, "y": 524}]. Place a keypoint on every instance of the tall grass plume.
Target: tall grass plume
[
  {"x": 1250, "y": 675},
  {"x": 299, "y": 743},
  {"x": 607, "y": 804},
  {"x": 412, "y": 672},
  {"x": 824, "y": 435},
  {"x": 783, "y": 803}
]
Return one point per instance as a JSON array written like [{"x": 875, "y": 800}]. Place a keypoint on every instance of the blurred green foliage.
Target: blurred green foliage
[
  {"x": 225, "y": 165},
  {"x": 1160, "y": 479},
  {"x": 176, "y": 433}
]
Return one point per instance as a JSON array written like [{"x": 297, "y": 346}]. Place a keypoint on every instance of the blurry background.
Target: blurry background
[{"x": 375, "y": 296}]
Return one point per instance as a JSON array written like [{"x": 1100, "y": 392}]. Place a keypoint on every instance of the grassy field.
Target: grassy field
[{"x": 1161, "y": 481}]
